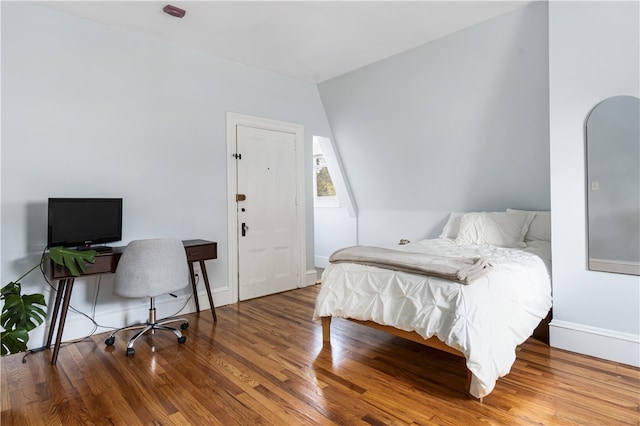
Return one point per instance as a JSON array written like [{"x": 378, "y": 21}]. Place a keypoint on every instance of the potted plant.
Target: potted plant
[{"x": 22, "y": 313}]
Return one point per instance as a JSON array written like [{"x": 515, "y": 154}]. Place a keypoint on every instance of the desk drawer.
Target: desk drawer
[
  {"x": 202, "y": 252},
  {"x": 105, "y": 263}
]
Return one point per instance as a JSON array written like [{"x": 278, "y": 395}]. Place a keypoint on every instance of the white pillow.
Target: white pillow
[
  {"x": 452, "y": 226},
  {"x": 502, "y": 229},
  {"x": 540, "y": 227}
]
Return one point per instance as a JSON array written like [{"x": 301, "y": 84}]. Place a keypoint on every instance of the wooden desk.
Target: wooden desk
[{"x": 106, "y": 262}]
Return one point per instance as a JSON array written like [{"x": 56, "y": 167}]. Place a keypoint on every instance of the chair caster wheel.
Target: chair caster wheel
[
  {"x": 110, "y": 341},
  {"x": 184, "y": 325},
  {"x": 182, "y": 339},
  {"x": 131, "y": 351}
]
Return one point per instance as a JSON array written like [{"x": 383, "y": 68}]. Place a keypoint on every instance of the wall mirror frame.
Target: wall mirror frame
[{"x": 612, "y": 139}]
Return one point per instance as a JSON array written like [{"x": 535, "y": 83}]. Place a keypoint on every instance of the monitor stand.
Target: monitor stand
[
  {"x": 98, "y": 249},
  {"x": 102, "y": 249}
]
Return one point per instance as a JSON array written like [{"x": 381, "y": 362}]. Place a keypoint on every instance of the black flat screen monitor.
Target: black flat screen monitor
[{"x": 83, "y": 222}]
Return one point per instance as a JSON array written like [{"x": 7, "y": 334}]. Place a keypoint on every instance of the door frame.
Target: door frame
[{"x": 233, "y": 120}]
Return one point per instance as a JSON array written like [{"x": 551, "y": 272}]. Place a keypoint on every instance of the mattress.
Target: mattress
[{"x": 485, "y": 320}]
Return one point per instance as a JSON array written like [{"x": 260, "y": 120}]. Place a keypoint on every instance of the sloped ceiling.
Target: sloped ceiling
[{"x": 309, "y": 40}]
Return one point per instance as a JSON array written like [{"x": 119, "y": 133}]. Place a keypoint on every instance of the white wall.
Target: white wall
[
  {"x": 593, "y": 54},
  {"x": 457, "y": 124},
  {"x": 334, "y": 229},
  {"x": 89, "y": 110}
]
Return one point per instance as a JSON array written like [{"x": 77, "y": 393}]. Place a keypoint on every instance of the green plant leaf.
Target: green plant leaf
[
  {"x": 13, "y": 341},
  {"x": 9, "y": 289},
  {"x": 72, "y": 259},
  {"x": 22, "y": 312},
  {"x": 34, "y": 313}
]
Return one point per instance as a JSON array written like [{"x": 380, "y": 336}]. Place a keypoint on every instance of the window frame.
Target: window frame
[{"x": 325, "y": 200}]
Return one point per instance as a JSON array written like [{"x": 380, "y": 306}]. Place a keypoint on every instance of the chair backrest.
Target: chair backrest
[{"x": 150, "y": 268}]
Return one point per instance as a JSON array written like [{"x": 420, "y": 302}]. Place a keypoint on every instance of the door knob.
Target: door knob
[{"x": 244, "y": 229}]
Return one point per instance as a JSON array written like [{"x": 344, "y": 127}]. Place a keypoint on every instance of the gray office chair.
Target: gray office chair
[{"x": 150, "y": 268}]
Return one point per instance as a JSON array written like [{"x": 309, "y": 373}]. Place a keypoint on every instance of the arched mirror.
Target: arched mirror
[{"x": 613, "y": 185}]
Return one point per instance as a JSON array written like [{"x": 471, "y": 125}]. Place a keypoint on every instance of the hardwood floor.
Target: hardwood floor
[{"x": 263, "y": 363}]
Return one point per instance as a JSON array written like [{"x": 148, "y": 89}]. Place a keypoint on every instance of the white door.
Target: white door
[{"x": 266, "y": 211}]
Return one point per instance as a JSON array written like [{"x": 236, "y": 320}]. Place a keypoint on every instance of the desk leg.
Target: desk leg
[
  {"x": 63, "y": 317},
  {"x": 62, "y": 285},
  {"x": 203, "y": 268},
  {"x": 194, "y": 286}
]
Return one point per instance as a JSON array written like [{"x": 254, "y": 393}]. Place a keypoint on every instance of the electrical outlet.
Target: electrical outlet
[{"x": 196, "y": 274}]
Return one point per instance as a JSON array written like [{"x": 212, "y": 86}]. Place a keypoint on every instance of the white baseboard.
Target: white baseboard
[
  {"x": 310, "y": 278},
  {"x": 321, "y": 261},
  {"x": 602, "y": 343}
]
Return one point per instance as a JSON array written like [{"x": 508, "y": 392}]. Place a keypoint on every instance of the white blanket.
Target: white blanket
[{"x": 485, "y": 321}]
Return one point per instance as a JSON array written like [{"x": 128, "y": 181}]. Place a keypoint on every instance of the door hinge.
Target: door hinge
[{"x": 237, "y": 156}]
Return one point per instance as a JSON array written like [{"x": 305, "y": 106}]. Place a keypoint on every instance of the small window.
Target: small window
[{"x": 324, "y": 191}]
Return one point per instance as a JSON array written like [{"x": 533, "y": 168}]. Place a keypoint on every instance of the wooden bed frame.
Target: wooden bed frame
[{"x": 541, "y": 333}]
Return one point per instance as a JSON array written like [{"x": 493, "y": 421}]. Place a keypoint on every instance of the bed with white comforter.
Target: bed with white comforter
[{"x": 485, "y": 320}]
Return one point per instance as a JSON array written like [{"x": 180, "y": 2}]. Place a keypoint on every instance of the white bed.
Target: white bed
[{"x": 484, "y": 320}]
